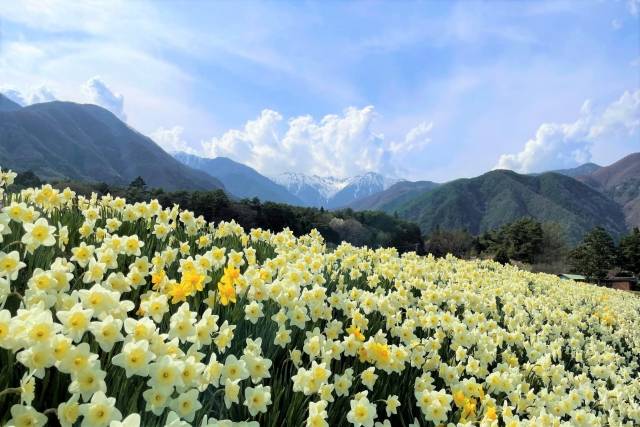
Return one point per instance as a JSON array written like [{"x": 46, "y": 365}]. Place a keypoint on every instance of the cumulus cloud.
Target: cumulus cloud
[
  {"x": 99, "y": 93},
  {"x": 563, "y": 145},
  {"x": 171, "y": 140},
  {"x": 337, "y": 145},
  {"x": 33, "y": 95}
]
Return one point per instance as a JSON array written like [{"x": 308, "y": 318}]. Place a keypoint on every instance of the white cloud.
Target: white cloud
[
  {"x": 171, "y": 139},
  {"x": 621, "y": 119},
  {"x": 562, "y": 145},
  {"x": 99, "y": 93},
  {"x": 337, "y": 145},
  {"x": 634, "y": 7},
  {"x": 415, "y": 139},
  {"x": 33, "y": 95},
  {"x": 616, "y": 24},
  {"x": 42, "y": 94}
]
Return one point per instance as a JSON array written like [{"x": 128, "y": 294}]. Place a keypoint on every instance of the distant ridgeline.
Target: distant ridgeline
[
  {"x": 608, "y": 197},
  {"x": 81, "y": 142}
]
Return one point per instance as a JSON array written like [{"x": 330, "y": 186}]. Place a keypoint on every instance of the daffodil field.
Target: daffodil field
[{"x": 119, "y": 314}]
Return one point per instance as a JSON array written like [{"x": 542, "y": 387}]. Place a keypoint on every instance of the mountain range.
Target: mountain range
[
  {"x": 64, "y": 140},
  {"x": 394, "y": 196},
  {"x": 240, "y": 180},
  {"x": 292, "y": 188},
  {"x": 333, "y": 192},
  {"x": 621, "y": 182},
  {"x": 578, "y": 198},
  {"x": 498, "y": 197},
  {"x": 584, "y": 169}
]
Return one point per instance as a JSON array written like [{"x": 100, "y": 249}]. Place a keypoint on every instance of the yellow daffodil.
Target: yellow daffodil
[
  {"x": 355, "y": 331},
  {"x": 192, "y": 281},
  {"x": 179, "y": 293},
  {"x": 227, "y": 293}
]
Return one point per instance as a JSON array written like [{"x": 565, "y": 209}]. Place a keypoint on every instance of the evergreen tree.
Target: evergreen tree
[
  {"x": 595, "y": 256},
  {"x": 138, "y": 183},
  {"x": 629, "y": 251},
  {"x": 523, "y": 239},
  {"x": 501, "y": 256}
]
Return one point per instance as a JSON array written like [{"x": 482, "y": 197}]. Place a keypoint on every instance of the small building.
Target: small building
[
  {"x": 623, "y": 283},
  {"x": 574, "y": 277}
]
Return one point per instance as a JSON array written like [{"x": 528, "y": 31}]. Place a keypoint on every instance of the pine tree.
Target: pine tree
[
  {"x": 629, "y": 250},
  {"x": 138, "y": 183},
  {"x": 595, "y": 256}
]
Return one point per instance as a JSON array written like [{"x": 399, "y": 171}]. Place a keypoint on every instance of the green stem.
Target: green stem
[
  {"x": 10, "y": 390},
  {"x": 15, "y": 242}
]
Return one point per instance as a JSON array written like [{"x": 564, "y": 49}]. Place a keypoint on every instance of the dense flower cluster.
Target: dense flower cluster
[{"x": 136, "y": 314}]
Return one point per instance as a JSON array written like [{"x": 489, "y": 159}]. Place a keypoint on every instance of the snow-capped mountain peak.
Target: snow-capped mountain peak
[
  {"x": 373, "y": 179},
  {"x": 331, "y": 191},
  {"x": 326, "y": 186}
]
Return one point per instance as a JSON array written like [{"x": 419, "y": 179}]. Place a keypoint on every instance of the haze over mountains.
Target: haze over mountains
[
  {"x": 63, "y": 140},
  {"x": 585, "y": 169}
]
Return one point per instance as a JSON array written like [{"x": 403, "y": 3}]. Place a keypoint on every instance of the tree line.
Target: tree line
[
  {"x": 543, "y": 247},
  {"x": 525, "y": 240},
  {"x": 598, "y": 254}
]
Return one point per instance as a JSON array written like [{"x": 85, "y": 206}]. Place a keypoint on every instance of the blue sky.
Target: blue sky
[{"x": 423, "y": 90}]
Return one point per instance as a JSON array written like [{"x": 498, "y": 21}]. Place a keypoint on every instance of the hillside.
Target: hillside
[
  {"x": 499, "y": 197},
  {"x": 60, "y": 140},
  {"x": 585, "y": 169},
  {"x": 8, "y": 105},
  {"x": 240, "y": 180},
  {"x": 497, "y": 311},
  {"x": 621, "y": 182},
  {"x": 393, "y": 197}
]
